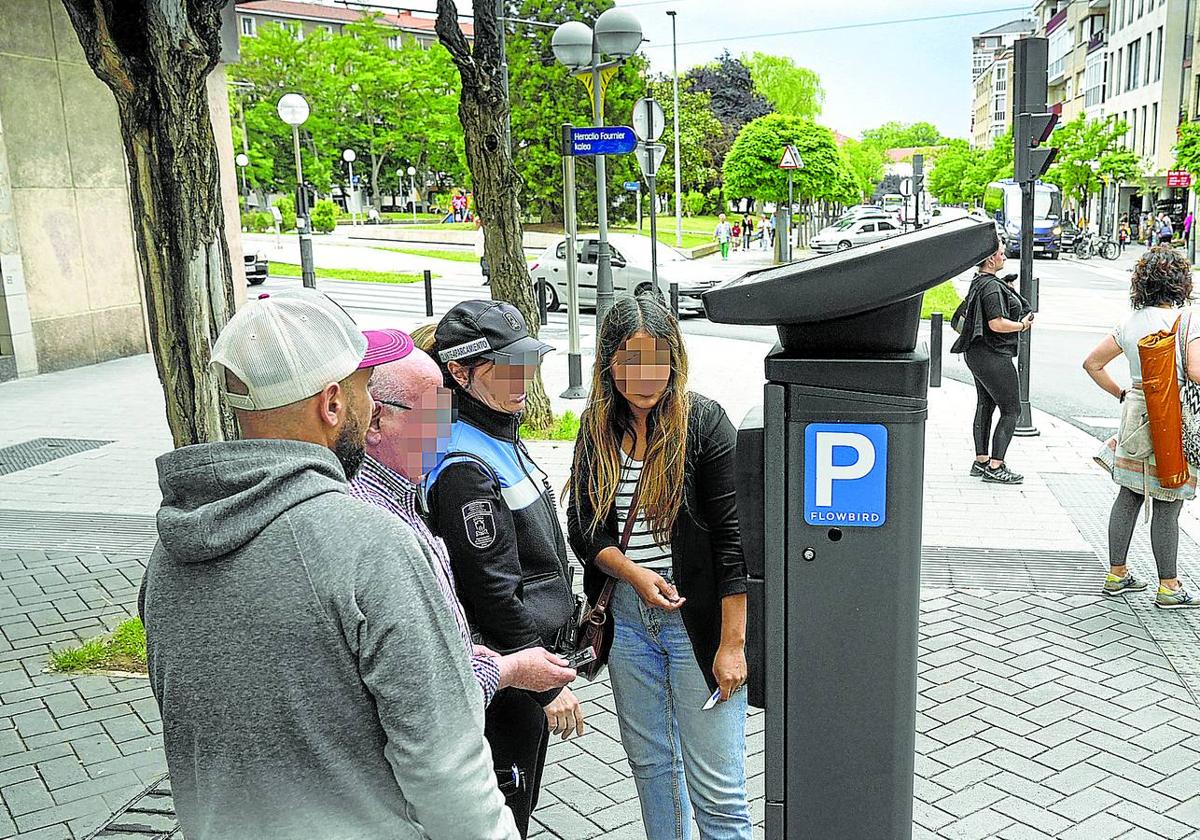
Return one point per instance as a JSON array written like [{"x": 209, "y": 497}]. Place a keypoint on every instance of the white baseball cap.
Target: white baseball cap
[{"x": 287, "y": 346}]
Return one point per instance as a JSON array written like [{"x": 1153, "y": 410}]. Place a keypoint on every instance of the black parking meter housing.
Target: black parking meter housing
[{"x": 830, "y": 474}]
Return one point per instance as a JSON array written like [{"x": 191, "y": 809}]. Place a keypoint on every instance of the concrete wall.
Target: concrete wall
[{"x": 72, "y": 291}]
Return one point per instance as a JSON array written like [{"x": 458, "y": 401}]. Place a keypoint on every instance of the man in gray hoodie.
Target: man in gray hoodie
[{"x": 311, "y": 682}]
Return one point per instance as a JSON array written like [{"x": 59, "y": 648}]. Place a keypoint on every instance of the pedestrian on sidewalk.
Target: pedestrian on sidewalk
[
  {"x": 995, "y": 314},
  {"x": 495, "y": 509},
  {"x": 1161, "y": 285},
  {"x": 764, "y": 236},
  {"x": 1123, "y": 235},
  {"x": 651, "y": 452},
  {"x": 747, "y": 231},
  {"x": 407, "y": 437},
  {"x": 723, "y": 234},
  {"x": 1166, "y": 230},
  {"x": 311, "y": 681}
]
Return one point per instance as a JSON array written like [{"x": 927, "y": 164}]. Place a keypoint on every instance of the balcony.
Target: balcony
[
  {"x": 1097, "y": 41},
  {"x": 1097, "y": 4},
  {"x": 1058, "y": 20}
]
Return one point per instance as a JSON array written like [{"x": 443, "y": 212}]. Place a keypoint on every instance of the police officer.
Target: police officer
[{"x": 495, "y": 509}]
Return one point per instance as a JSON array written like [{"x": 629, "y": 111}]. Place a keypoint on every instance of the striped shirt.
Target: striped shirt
[
  {"x": 377, "y": 485},
  {"x": 643, "y": 549}
]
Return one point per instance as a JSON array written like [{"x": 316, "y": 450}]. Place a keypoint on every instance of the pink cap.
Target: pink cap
[{"x": 385, "y": 346}]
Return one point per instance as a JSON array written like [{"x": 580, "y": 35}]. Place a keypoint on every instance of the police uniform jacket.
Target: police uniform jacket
[{"x": 495, "y": 510}]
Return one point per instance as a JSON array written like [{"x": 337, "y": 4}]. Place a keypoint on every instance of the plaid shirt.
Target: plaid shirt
[{"x": 386, "y": 488}]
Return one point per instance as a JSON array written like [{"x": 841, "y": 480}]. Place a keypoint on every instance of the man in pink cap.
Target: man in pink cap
[
  {"x": 311, "y": 681},
  {"x": 408, "y": 435}
]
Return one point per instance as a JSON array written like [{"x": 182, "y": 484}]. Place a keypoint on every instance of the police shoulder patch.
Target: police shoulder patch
[{"x": 480, "y": 523}]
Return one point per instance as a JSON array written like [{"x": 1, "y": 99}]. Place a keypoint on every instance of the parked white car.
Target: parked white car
[
  {"x": 630, "y": 270},
  {"x": 850, "y": 232}
]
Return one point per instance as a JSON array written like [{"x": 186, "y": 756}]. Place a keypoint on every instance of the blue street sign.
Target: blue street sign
[
  {"x": 632, "y": 186},
  {"x": 355, "y": 180},
  {"x": 609, "y": 140},
  {"x": 845, "y": 475}
]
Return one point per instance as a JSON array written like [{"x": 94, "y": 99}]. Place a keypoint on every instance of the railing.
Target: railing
[
  {"x": 1097, "y": 41},
  {"x": 1057, "y": 20}
]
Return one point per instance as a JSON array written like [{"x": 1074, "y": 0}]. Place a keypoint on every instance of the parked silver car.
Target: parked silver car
[
  {"x": 630, "y": 269},
  {"x": 850, "y": 232}
]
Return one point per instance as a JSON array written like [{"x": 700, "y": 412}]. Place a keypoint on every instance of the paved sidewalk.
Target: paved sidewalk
[{"x": 1044, "y": 709}]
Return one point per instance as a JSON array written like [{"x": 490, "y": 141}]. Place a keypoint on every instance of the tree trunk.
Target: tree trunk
[
  {"x": 156, "y": 60},
  {"x": 376, "y": 165},
  {"x": 483, "y": 110}
]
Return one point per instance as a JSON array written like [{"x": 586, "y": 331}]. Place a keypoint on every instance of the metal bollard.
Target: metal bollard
[
  {"x": 675, "y": 300},
  {"x": 428, "y": 293},
  {"x": 935, "y": 350},
  {"x": 543, "y": 318}
]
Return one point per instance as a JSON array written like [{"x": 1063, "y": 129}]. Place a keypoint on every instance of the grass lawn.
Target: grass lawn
[
  {"x": 566, "y": 427},
  {"x": 358, "y": 275},
  {"x": 667, "y": 235},
  {"x": 942, "y": 299},
  {"x": 456, "y": 256},
  {"x": 124, "y": 650},
  {"x": 395, "y": 217}
]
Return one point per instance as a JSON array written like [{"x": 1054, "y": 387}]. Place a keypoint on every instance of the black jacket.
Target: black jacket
[
  {"x": 706, "y": 547},
  {"x": 495, "y": 510}
]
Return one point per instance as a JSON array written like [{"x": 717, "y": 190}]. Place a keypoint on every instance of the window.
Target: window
[
  {"x": 1133, "y": 129},
  {"x": 394, "y": 41},
  {"x": 867, "y": 228},
  {"x": 249, "y": 26},
  {"x": 886, "y": 226},
  {"x": 1144, "y": 129},
  {"x": 561, "y": 251},
  {"x": 1154, "y": 129},
  {"x": 1158, "y": 56},
  {"x": 1142, "y": 7},
  {"x": 1149, "y": 57},
  {"x": 1093, "y": 80},
  {"x": 1117, "y": 10},
  {"x": 1133, "y": 65},
  {"x": 1129, "y": 13},
  {"x": 1116, "y": 72},
  {"x": 1058, "y": 47}
]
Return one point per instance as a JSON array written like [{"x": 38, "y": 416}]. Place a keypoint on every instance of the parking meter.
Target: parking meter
[{"x": 829, "y": 479}]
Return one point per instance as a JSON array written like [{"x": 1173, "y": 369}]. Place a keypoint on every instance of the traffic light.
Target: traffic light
[{"x": 1032, "y": 159}]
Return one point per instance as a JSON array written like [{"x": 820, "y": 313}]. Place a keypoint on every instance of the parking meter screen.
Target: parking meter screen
[{"x": 845, "y": 475}]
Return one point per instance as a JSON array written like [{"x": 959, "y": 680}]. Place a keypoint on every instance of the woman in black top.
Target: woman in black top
[
  {"x": 995, "y": 314},
  {"x": 679, "y": 606}
]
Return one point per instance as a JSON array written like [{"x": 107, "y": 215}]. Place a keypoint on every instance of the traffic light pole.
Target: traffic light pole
[{"x": 1025, "y": 427}]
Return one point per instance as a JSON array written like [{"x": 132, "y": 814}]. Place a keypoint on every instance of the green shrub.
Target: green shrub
[
  {"x": 716, "y": 202},
  {"x": 123, "y": 650},
  {"x": 287, "y": 207},
  {"x": 566, "y": 427},
  {"x": 693, "y": 203},
  {"x": 259, "y": 221},
  {"x": 324, "y": 216}
]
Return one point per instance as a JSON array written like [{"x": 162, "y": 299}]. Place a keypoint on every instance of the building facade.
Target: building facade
[
  {"x": 985, "y": 49},
  {"x": 1074, "y": 31},
  {"x": 305, "y": 17},
  {"x": 992, "y": 113},
  {"x": 71, "y": 289}
]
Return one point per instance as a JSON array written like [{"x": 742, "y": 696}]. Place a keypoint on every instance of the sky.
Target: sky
[
  {"x": 902, "y": 69},
  {"x": 909, "y": 72}
]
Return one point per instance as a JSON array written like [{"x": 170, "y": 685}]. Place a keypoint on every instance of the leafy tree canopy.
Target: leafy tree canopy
[
  {"x": 752, "y": 166},
  {"x": 1082, "y": 144},
  {"x": 865, "y": 163},
  {"x": 700, "y": 137},
  {"x": 789, "y": 89},
  {"x": 948, "y": 181},
  {"x": 1187, "y": 151},
  {"x": 898, "y": 135}
]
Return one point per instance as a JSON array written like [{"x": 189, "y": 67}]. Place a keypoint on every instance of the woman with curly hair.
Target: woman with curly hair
[{"x": 1161, "y": 286}]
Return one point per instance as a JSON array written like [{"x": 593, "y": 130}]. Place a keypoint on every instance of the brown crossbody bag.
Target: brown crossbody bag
[{"x": 596, "y": 629}]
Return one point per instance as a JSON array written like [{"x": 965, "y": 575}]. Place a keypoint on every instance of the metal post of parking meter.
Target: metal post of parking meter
[
  {"x": 935, "y": 350},
  {"x": 1025, "y": 427},
  {"x": 675, "y": 299},
  {"x": 829, "y": 477},
  {"x": 575, "y": 389}
]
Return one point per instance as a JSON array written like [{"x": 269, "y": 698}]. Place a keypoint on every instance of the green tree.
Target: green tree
[
  {"x": 734, "y": 100},
  {"x": 1083, "y": 144},
  {"x": 700, "y": 135},
  {"x": 948, "y": 181},
  {"x": 1187, "y": 151},
  {"x": 898, "y": 135},
  {"x": 790, "y": 89},
  {"x": 752, "y": 170},
  {"x": 865, "y": 162},
  {"x": 995, "y": 164}
]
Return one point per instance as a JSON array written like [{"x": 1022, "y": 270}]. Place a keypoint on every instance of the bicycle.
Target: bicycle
[{"x": 1089, "y": 245}]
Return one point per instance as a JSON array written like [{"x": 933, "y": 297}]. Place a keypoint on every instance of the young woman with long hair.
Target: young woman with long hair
[{"x": 649, "y": 449}]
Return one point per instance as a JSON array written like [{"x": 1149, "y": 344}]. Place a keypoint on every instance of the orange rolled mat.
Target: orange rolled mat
[{"x": 1161, "y": 387}]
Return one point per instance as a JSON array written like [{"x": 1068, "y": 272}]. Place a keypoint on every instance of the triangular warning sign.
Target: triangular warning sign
[{"x": 791, "y": 159}]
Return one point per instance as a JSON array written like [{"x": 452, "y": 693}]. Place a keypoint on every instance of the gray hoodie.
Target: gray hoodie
[{"x": 311, "y": 681}]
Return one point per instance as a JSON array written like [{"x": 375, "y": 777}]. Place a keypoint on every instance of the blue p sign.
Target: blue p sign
[{"x": 845, "y": 475}]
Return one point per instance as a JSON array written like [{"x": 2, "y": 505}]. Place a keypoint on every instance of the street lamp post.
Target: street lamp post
[
  {"x": 350, "y": 156},
  {"x": 243, "y": 161},
  {"x": 678, "y": 168},
  {"x": 618, "y": 34},
  {"x": 293, "y": 110},
  {"x": 412, "y": 196}
]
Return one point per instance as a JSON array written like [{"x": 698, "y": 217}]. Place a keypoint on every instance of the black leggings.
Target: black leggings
[
  {"x": 515, "y": 728},
  {"x": 995, "y": 387}
]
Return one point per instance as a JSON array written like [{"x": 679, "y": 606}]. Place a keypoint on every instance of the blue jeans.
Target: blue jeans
[{"x": 681, "y": 756}]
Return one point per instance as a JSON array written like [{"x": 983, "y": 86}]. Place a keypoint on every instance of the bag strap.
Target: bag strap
[{"x": 611, "y": 584}]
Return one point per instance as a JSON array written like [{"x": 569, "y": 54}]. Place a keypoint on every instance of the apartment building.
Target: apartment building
[
  {"x": 992, "y": 113},
  {"x": 1075, "y": 31},
  {"x": 985, "y": 48},
  {"x": 1148, "y": 84},
  {"x": 306, "y": 17}
]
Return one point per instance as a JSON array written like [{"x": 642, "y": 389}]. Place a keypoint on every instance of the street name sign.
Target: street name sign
[
  {"x": 648, "y": 120},
  {"x": 632, "y": 186},
  {"x": 791, "y": 159},
  {"x": 606, "y": 140}
]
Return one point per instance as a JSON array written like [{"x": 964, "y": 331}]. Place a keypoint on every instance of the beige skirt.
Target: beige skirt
[{"x": 1128, "y": 456}]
